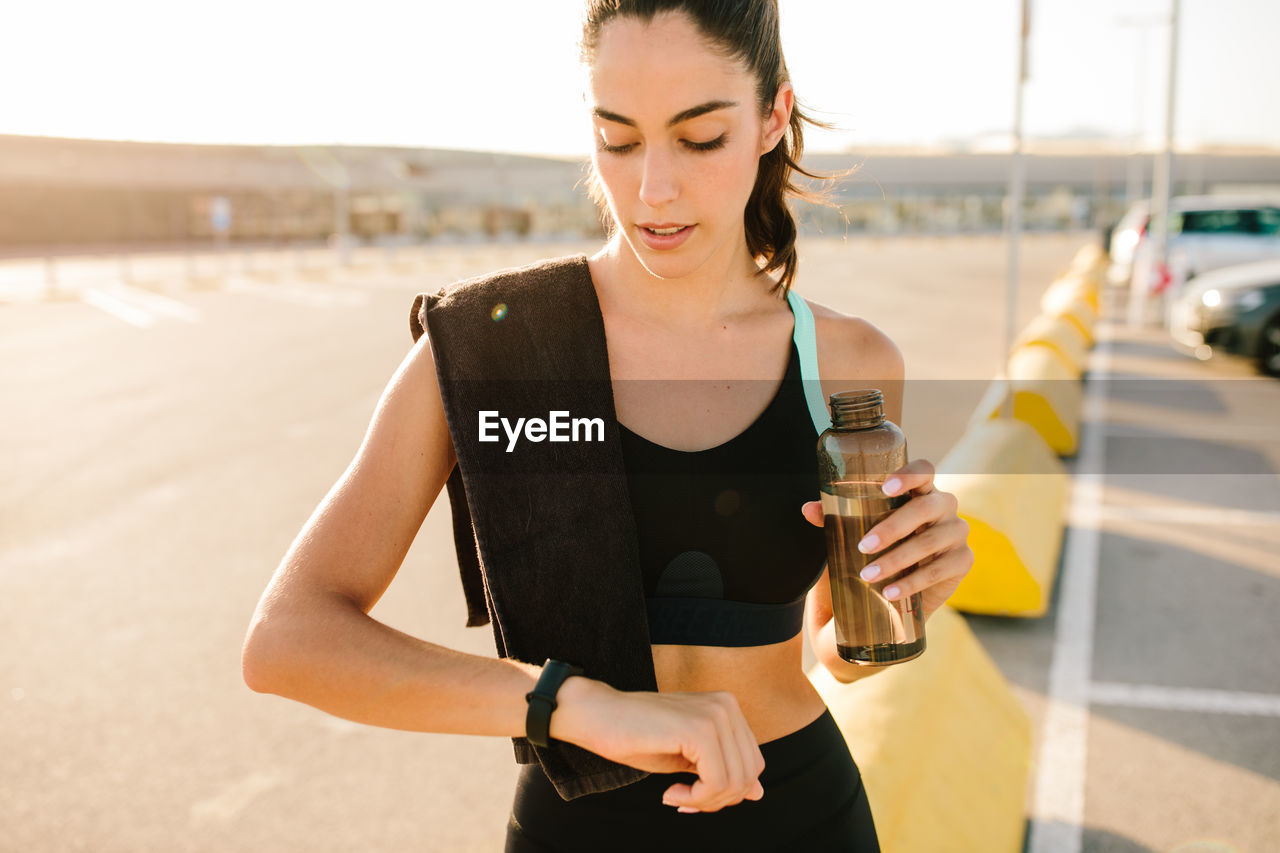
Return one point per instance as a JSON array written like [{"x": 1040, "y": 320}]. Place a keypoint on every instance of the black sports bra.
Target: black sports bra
[{"x": 726, "y": 556}]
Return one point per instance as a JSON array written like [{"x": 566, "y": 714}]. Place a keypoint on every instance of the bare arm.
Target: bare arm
[{"x": 312, "y": 639}]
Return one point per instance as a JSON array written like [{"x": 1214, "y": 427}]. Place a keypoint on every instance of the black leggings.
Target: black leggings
[{"x": 813, "y": 800}]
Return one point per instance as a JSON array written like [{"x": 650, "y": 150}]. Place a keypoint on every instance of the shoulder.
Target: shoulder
[
  {"x": 534, "y": 321},
  {"x": 536, "y": 276},
  {"x": 558, "y": 283},
  {"x": 852, "y": 347}
]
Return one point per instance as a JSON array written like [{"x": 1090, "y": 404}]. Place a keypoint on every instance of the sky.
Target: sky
[{"x": 503, "y": 75}]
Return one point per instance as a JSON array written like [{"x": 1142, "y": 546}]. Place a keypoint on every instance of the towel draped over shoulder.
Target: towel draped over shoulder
[{"x": 544, "y": 531}]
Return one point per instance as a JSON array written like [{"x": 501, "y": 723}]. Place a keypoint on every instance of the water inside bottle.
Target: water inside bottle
[{"x": 870, "y": 629}]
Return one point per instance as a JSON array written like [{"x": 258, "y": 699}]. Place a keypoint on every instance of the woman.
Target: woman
[{"x": 696, "y": 133}]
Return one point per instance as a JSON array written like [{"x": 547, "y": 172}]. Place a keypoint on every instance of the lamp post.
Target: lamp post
[
  {"x": 1136, "y": 178},
  {"x": 1161, "y": 186},
  {"x": 1017, "y": 191},
  {"x": 332, "y": 169},
  {"x": 342, "y": 209}
]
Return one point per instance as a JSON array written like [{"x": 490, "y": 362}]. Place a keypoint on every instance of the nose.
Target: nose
[{"x": 659, "y": 184}]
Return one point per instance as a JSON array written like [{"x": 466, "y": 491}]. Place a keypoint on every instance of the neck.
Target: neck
[{"x": 726, "y": 286}]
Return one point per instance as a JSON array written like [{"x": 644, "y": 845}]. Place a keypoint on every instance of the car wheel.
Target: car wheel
[{"x": 1269, "y": 348}]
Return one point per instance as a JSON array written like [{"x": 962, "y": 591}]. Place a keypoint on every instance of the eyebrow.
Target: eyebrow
[{"x": 684, "y": 115}]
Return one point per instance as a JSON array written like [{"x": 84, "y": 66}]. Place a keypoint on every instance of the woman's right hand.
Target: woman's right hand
[{"x": 701, "y": 733}]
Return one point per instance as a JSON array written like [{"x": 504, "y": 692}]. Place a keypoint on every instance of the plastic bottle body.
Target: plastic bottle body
[{"x": 855, "y": 457}]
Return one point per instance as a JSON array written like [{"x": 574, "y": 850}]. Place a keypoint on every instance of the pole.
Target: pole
[
  {"x": 342, "y": 210},
  {"x": 1017, "y": 191},
  {"x": 50, "y": 276},
  {"x": 1134, "y": 190},
  {"x": 1166, "y": 158},
  {"x": 341, "y": 221},
  {"x": 1162, "y": 183}
]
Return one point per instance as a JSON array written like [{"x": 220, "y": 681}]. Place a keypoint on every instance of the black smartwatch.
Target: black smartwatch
[{"x": 542, "y": 700}]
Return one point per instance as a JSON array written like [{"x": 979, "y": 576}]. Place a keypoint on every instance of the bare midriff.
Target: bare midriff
[{"x": 769, "y": 682}]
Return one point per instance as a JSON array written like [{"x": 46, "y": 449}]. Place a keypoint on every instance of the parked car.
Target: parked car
[
  {"x": 1233, "y": 309},
  {"x": 1205, "y": 232}
]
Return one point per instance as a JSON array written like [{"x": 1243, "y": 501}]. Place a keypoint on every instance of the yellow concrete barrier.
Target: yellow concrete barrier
[
  {"x": 1046, "y": 395},
  {"x": 1081, "y": 283},
  {"x": 943, "y": 744},
  {"x": 1091, "y": 261},
  {"x": 1074, "y": 309},
  {"x": 1077, "y": 284},
  {"x": 1012, "y": 492},
  {"x": 1074, "y": 298},
  {"x": 1063, "y": 338}
]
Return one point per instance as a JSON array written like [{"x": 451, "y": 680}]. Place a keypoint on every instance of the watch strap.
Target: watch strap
[{"x": 542, "y": 700}]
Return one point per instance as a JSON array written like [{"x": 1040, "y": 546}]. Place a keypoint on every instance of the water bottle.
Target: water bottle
[{"x": 855, "y": 456}]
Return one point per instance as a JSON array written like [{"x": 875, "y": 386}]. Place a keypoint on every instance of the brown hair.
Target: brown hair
[{"x": 746, "y": 31}]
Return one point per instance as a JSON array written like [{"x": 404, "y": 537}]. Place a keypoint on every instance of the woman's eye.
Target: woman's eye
[
  {"x": 712, "y": 145},
  {"x": 615, "y": 149}
]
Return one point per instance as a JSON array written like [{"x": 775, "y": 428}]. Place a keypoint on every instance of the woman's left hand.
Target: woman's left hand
[{"x": 931, "y": 540}]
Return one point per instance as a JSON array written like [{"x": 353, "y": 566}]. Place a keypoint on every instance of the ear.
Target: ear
[{"x": 779, "y": 118}]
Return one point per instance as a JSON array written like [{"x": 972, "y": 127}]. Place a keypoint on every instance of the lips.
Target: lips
[{"x": 664, "y": 235}]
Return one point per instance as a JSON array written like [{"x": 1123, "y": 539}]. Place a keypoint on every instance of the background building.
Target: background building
[{"x": 64, "y": 194}]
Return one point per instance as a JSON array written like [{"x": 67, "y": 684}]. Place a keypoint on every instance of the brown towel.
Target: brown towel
[{"x": 544, "y": 531}]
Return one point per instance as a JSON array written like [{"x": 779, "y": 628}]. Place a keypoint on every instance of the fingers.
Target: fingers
[
  {"x": 812, "y": 512},
  {"x": 708, "y": 754},
  {"x": 915, "y": 477},
  {"x": 753, "y": 760},
  {"x": 926, "y": 547},
  {"x": 936, "y": 580},
  {"x": 916, "y": 513},
  {"x": 728, "y": 761},
  {"x": 717, "y": 790}
]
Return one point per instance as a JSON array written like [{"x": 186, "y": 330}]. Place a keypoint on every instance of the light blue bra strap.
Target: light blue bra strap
[{"x": 807, "y": 345}]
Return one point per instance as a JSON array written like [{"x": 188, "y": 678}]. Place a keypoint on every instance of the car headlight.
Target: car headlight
[
  {"x": 1126, "y": 240},
  {"x": 1211, "y": 298}
]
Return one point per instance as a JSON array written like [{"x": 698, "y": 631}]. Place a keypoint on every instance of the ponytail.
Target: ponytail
[{"x": 769, "y": 221}]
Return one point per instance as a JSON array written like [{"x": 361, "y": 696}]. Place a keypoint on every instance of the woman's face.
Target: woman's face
[{"x": 678, "y": 140}]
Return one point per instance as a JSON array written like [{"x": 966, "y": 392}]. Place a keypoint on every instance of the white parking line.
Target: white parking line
[
  {"x": 1185, "y": 699},
  {"x": 154, "y": 302},
  {"x": 141, "y": 308},
  {"x": 117, "y": 307},
  {"x": 135, "y": 306},
  {"x": 1181, "y": 515},
  {"x": 225, "y": 806},
  {"x": 1203, "y": 432},
  {"x": 1057, "y": 814}
]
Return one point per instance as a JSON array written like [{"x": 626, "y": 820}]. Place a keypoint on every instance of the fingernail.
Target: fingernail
[
  {"x": 891, "y": 593},
  {"x": 891, "y": 486},
  {"x": 687, "y": 810},
  {"x": 869, "y": 543},
  {"x": 667, "y": 801},
  {"x": 870, "y": 573}
]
